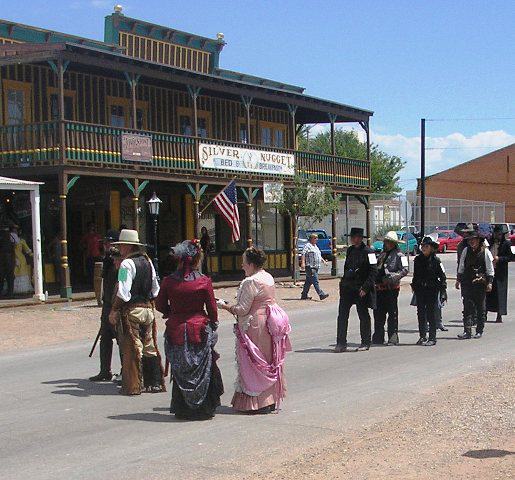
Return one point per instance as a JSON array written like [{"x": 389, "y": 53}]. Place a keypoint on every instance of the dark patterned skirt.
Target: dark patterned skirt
[{"x": 197, "y": 381}]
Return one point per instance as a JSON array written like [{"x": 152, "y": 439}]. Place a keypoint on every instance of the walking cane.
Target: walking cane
[{"x": 95, "y": 342}]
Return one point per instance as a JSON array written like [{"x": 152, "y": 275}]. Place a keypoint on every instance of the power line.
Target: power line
[
  {"x": 468, "y": 119},
  {"x": 460, "y": 148}
]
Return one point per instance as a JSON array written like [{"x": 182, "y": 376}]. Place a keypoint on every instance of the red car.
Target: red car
[{"x": 448, "y": 240}]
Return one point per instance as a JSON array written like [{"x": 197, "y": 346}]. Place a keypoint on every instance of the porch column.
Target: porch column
[
  {"x": 36, "y": 242},
  {"x": 194, "y": 94},
  {"x": 247, "y": 101},
  {"x": 332, "y": 119},
  {"x": 133, "y": 80},
  {"x": 369, "y": 227},
  {"x": 293, "y": 131},
  {"x": 347, "y": 219},
  {"x": 60, "y": 103},
  {"x": 294, "y": 255},
  {"x": 66, "y": 289},
  {"x": 334, "y": 259},
  {"x": 135, "y": 205},
  {"x": 249, "y": 217},
  {"x": 196, "y": 211}
]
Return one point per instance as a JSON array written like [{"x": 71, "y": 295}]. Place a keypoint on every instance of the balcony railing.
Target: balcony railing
[{"x": 38, "y": 144}]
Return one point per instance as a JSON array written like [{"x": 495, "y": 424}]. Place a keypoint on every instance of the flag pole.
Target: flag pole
[{"x": 213, "y": 199}]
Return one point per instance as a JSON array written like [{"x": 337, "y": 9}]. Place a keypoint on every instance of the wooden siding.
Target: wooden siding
[{"x": 162, "y": 104}]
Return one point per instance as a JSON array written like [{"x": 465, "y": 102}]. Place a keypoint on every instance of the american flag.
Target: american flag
[{"x": 227, "y": 204}]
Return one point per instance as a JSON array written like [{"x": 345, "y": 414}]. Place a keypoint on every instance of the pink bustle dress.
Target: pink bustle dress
[{"x": 261, "y": 344}]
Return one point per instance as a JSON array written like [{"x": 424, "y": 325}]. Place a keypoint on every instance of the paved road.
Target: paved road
[{"x": 55, "y": 424}]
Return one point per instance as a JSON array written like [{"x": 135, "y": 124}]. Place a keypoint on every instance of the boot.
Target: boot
[
  {"x": 102, "y": 377},
  {"x": 498, "y": 319},
  {"x": 151, "y": 374}
]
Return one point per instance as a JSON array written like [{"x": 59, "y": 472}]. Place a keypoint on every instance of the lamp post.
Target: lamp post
[{"x": 153, "y": 206}]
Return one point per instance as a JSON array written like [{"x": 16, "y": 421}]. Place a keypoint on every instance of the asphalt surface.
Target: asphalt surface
[{"x": 55, "y": 424}]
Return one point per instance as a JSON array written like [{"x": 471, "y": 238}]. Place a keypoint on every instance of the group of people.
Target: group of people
[
  {"x": 185, "y": 298},
  {"x": 373, "y": 281},
  {"x": 15, "y": 262}
]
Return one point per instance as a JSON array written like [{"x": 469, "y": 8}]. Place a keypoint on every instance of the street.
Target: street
[{"x": 54, "y": 423}]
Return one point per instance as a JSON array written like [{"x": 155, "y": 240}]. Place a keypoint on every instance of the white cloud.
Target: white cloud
[{"x": 442, "y": 152}]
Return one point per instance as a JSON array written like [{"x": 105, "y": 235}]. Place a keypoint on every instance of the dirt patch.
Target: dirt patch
[{"x": 463, "y": 430}]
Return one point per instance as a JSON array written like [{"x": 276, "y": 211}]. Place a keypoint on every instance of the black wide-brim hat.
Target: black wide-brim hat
[
  {"x": 357, "y": 232},
  {"x": 112, "y": 236}
]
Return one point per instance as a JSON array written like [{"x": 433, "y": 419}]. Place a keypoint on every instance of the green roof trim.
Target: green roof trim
[
  {"x": 29, "y": 34},
  {"x": 263, "y": 82}
]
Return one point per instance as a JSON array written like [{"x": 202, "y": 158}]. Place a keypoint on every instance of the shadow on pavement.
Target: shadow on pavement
[
  {"x": 82, "y": 387},
  {"x": 487, "y": 453}
]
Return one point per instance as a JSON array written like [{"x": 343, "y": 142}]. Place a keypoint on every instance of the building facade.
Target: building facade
[
  {"x": 489, "y": 178},
  {"x": 104, "y": 124}
]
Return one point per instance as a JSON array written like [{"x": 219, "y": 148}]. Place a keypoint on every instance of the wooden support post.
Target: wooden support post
[
  {"x": 135, "y": 200},
  {"x": 196, "y": 211},
  {"x": 294, "y": 254},
  {"x": 334, "y": 250},
  {"x": 66, "y": 289},
  {"x": 293, "y": 130},
  {"x": 369, "y": 229},
  {"x": 249, "y": 218},
  {"x": 332, "y": 119},
  {"x": 60, "y": 105},
  {"x": 133, "y": 85},
  {"x": 36, "y": 242}
]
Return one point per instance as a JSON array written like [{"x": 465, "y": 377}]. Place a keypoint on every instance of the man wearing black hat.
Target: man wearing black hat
[
  {"x": 107, "y": 331},
  {"x": 500, "y": 248},
  {"x": 7, "y": 260},
  {"x": 475, "y": 277},
  {"x": 357, "y": 288}
]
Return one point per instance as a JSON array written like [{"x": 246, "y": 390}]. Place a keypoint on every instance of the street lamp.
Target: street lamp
[{"x": 153, "y": 206}]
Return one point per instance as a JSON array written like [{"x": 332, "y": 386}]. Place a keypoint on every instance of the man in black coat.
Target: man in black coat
[
  {"x": 107, "y": 331},
  {"x": 497, "y": 299},
  {"x": 357, "y": 288},
  {"x": 7, "y": 261}
]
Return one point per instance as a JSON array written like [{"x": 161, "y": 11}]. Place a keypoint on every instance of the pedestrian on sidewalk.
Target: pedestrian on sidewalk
[
  {"x": 497, "y": 299},
  {"x": 357, "y": 287},
  {"x": 429, "y": 282},
  {"x": 261, "y": 331},
  {"x": 392, "y": 266},
  {"x": 311, "y": 261},
  {"x": 133, "y": 307},
  {"x": 475, "y": 278},
  {"x": 107, "y": 331},
  {"x": 187, "y": 301}
]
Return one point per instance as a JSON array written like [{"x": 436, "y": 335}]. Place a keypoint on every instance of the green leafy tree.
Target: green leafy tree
[
  {"x": 384, "y": 168},
  {"x": 306, "y": 198}
]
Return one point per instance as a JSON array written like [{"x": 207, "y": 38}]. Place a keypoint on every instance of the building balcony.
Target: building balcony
[{"x": 100, "y": 147}]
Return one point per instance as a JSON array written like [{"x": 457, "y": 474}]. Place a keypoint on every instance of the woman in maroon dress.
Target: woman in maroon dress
[{"x": 187, "y": 300}]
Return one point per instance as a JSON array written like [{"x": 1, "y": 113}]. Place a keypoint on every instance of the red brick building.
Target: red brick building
[{"x": 489, "y": 178}]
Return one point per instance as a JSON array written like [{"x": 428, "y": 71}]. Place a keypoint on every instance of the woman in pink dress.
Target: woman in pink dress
[{"x": 261, "y": 339}]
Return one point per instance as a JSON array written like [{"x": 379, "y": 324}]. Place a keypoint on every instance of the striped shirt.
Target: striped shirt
[{"x": 312, "y": 255}]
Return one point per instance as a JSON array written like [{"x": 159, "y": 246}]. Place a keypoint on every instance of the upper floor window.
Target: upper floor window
[
  {"x": 273, "y": 134},
  {"x": 186, "y": 122},
  {"x": 53, "y": 104},
  {"x": 119, "y": 113}
]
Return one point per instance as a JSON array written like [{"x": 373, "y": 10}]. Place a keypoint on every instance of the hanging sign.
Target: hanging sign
[
  {"x": 222, "y": 157},
  {"x": 136, "y": 148},
  {"x": 273, "y": 192}
]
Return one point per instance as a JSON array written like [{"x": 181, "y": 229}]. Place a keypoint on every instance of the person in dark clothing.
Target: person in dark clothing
[
  {"x": 392, "y": 266},
  {"x": 497, "y": 299},
  {"x": 107, "y": 331},
  {"x": 429, "y": 281},
  {"x": 205, "y": 245},
  {"x": 475, "y": 277},
  {"x": 7, "y": 261},
  {"x": 357, "y": 288}
]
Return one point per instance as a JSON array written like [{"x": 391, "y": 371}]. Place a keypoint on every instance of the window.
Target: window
[
  {"x": 17, "y": 102},
  {"x": 53, "y": 104},
  {"x": 243, "y": 133},
  {"x": 186, "y": 122},
  {"x": 273, "y": 134},
  {"x": 268, "y": 227},
  {"x": 119, "y": 113}
]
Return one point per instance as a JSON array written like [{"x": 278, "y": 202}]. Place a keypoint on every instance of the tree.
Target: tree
[
  {"x": 306, "y": 198},
  {"x": 384, "y": 168}
]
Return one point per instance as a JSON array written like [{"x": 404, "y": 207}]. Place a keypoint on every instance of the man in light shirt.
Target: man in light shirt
[
  {"x": 311, "y": 261},
  {"x": 133, "y": 310}
]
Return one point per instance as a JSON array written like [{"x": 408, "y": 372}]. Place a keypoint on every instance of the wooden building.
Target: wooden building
[{"x": 73, "y": 112}]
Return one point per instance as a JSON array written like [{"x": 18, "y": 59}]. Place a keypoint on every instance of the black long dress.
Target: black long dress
[{"x": 497, "y": 299}]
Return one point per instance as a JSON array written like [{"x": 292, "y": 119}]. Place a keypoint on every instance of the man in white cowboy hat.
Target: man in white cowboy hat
[
  {"x": 475, "y": 277},
  {"x": 392, "y": 266},
  {"x": 134, "y": 307}
]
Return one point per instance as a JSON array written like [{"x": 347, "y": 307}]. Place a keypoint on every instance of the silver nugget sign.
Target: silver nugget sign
[
  {"x": 224, "y": 157},
  {"x": 136, "y": 148}
]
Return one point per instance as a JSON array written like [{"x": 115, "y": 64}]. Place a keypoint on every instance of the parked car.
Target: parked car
[
  {"x": 410, "y": 245},
  {"x": 448, "y": 240},
  {"x": 324, "y": 242}
]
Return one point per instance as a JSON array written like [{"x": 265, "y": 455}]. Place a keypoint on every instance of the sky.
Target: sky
[{"x": 448, "y": 60}]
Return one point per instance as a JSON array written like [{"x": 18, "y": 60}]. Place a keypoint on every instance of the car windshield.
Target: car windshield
[{"x": 443, "y": 235}]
